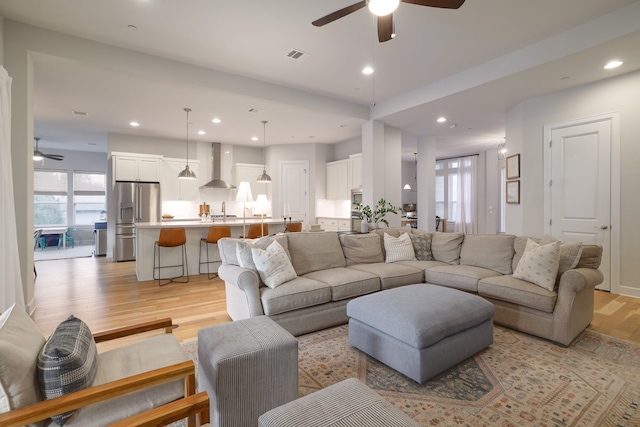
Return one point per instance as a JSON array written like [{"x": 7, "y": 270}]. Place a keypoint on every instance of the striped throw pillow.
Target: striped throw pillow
[
  {"x": 399, "y": 248},
  {"x": 67, "y": 362}
]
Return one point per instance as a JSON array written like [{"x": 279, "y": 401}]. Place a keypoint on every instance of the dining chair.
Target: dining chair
[
  {"x": 68, "y": 236},
  {"x": 36, "y": 241}
]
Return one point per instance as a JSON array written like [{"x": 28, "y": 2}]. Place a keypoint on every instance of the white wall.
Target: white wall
[
  {"x": 525, "y": 123},
  {"x": 343, "y": 150}
]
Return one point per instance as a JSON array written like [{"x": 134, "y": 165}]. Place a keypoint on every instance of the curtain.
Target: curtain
[
  {"x": 466, "y": 216},
  {"x": 10, "y": 280}
]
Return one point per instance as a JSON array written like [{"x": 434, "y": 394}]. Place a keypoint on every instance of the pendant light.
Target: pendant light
[
  {"x": 415, "y": 178},
  {"x": 186, "y": 172},
  {"x": 264, "y": 177}
]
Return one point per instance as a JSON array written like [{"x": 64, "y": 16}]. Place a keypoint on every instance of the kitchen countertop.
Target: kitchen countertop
[{"x": 187, "y": 223}]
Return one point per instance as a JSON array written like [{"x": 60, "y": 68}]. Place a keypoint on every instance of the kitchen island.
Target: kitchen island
[{"x": 147, "y": 234}]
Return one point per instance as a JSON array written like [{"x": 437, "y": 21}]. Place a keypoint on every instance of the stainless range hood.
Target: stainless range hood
[{"x": 216, "y": 157}]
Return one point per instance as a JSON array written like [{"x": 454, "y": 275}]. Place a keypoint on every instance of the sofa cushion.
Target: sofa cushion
[
  {"x": 20, "y": 344},
  {"x": 422, "y": 246},
  {"x": 570, "y": 253},
  {"x": 313, "y": 251},
  {"x": 346, "y": 282},
  {"x": 591, "y": 256},
  {"x": 423, "y": 265},
  {"x": 539, "y": 264},
  {"x": 464, "y": 277},
  {"x": 228, "y": 251},
  {"x": 273, "y": 265},
  {"x": 398, "y": 248},
  {"x": 392, "y": 275},
  {"x": 517, "y": 291},
  {"x": 298, "y": 293},
  {"x": 492, "y": 251},
  {"x": 361, "y": 248},
  {"x": 445, "y": 247}
]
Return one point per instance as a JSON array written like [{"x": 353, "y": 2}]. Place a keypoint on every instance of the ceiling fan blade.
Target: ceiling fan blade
[
  {"x": 339, "y": 14},
  {"x": 446, "y": 4},
  {"x": 53, "y": 156},
  {"x": 386, "y": 29}
]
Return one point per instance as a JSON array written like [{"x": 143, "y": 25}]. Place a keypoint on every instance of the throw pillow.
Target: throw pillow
[
  {"x": 67, "y": 362},
  {"x": 20, "y": 343},
  {"x": 539, "y": 264},
  {"x": 445, "y": 247},
  {"x": 273, "y": 265},
  {"x": 243, "y": 250},
  {"x": 422, "y": 246},
  {"x": 570, "y": 253},
  {"x": 361, "y": 248},
  {"x": 398, "y": 248}
]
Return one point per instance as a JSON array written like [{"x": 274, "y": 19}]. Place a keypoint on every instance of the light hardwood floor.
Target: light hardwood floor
[{"x": 107, "y": 295}]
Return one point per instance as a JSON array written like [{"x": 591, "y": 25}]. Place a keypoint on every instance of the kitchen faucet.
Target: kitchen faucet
[{"x": 224, "y": 212}]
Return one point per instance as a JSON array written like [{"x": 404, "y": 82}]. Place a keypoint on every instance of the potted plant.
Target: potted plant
[{"x": 372, "y": 216}]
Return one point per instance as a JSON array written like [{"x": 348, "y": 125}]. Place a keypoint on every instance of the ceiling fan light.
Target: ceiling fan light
[
  {"x": 383, "y": 7},
  {"x": 406, "y": 187},
  {"x": 37, "y": 156}
]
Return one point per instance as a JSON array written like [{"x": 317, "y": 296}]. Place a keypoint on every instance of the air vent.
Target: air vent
[
  {"x": 297, "y": 55},
  {"x": 255, "y": 111},
  {"x": 80, "y": 113}
]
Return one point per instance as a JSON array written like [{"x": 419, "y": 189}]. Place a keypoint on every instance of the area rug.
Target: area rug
[
  {"x": 53, "y": 253},
  {"x": 519, "y": 380}
]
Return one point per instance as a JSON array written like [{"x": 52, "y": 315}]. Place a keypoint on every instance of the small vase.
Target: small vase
[{"x": 364, "y": 227}]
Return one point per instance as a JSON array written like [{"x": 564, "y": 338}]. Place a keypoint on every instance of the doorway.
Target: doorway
[
  {"x": 294, "y": 190},
  {"x": 579, "y": 200}
]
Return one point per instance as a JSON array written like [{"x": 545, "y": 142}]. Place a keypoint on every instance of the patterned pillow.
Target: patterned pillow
[
  {"x": 273, "y": 265},
  {"x": 422, "y": 246},
  {"x": 67, "y": 362},
  {"x": 539, "y": 264},
  {"x": 570, "y": 253},
  {"x": 398, "y": 248}
]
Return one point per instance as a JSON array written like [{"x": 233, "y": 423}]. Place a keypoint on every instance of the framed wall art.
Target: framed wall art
[
  {"x": 513, "y": 192},
  {"x": 513, "y": 166}
]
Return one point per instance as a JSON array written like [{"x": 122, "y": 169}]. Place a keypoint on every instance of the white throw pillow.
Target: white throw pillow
[
  {"x": 570, "y": 253},
  {"x": 399, "y": 248},
  {"x": 539, "y": 264},
  {"x": 273, "y": 265}
]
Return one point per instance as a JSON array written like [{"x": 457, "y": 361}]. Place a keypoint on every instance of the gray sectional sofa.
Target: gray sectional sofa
[{"x": 333, "y": 268}]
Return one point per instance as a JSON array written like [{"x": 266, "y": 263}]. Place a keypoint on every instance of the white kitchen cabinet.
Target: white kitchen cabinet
[
  {"x": 136, "y": 167},
  {"x": 249, "y": 172},
  {"x": 338, "y": 182},
  {"x": 173, "y": 188},
  {"x": 356, "y": 170},
  {"x": 344, "y": 224},
  {"x": 328, "y": 224}
]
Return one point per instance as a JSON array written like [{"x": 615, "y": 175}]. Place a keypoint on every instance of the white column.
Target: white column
[
  {"x": 426, "y": 182},
  {"x": 373, "y": 162}
]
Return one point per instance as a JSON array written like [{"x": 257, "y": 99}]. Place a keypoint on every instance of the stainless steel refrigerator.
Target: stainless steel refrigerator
[{"x": 135, "y": 202}]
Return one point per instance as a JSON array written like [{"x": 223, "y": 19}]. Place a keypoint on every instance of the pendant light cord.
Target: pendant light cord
[{"x": 187, "y": 110}]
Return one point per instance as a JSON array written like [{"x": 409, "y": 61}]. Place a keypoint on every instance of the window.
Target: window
[
  {"x": 49, "y": 197},
  {"x": 89, "y": 197},
  {"x": 446, "y": 188},
  {"x": 503, "y": 200}
]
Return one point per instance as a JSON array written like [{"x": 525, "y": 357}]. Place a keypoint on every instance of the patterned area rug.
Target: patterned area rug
[{"x": 519, "y": 380}]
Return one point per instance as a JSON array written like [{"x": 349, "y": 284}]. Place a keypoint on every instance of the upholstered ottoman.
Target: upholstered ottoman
[
  {"x": 420, "y": 330},
  {"x": 247, "y": 367},
  {"x": 347, "y": 403}
]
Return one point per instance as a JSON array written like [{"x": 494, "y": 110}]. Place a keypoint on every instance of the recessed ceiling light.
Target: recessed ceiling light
[
  {"x": 613, "y": 64},
  {"x": 134, "y": 124},
  {"x": 367, "y": 70},
  {"x": 254, "y": 138},
  {"x": 441, "y": 119},
  {"x": 201, "y": 132},
  {"x": 216, "y": 120}
]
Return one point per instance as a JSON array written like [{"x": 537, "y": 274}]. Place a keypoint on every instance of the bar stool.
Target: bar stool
[
  {"x": 295, "y": 227},
  {"x": 255, "y": 230},
  {"x": 171, "y": 238},
  {"x": 215, "y": 233}
]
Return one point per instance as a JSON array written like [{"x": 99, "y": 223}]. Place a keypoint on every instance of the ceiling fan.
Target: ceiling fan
[
  {"x": 39, "y": 155},
  {"x": 384, "y": 10}
]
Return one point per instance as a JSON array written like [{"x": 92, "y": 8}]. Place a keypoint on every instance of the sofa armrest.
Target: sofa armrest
[
  {"x": 579, "y": 279},
  {"x": 48, "y": 408},
  {"x": 246, "y": 281}
]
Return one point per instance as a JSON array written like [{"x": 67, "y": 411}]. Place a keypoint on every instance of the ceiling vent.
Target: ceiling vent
[
  {"x": 255, "y": 111},
  {"x": 80, "y": 113},
  {"x": 297, "y": 55}
]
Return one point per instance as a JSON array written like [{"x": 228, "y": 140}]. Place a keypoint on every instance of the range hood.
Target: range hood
[{"x": 216, "y": 157}]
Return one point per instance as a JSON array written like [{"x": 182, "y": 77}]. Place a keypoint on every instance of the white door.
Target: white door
[
  {"x": 294, "y": 189},
  {"x": 580, "y": 186}
]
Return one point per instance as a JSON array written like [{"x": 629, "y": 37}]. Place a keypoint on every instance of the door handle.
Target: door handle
[{"x": 603, "y": 227}]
